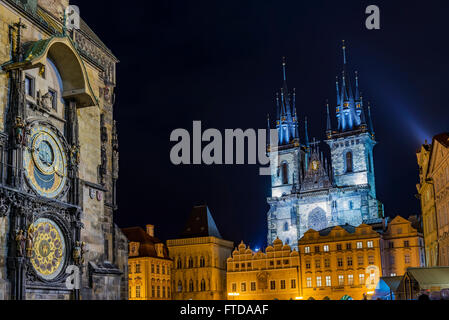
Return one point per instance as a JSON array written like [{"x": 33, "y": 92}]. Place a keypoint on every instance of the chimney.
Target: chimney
[{"x": 150, "y": 230}]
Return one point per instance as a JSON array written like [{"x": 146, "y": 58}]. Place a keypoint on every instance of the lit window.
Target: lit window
[
  {"x": 326, "y": 248},
  {"x": 318, "y": 281},
  {"x": 407, "y": 258},
  {"x": 361, "y": 278},
  {"x": 234, "y": 287},
  {"x": 372, "y": 277},
  {"x": 350, "y": 279},
  {"x": 369, "y": 244},
  {"x": 282, "y": 284},
  {"x": 359, "y": 245},
  {"x": 328, "y": 281},
  {"x": 309, "y": 282},
  {"x": 137, "y": 291},
  {"x": 393, "y": 274},
  {"x": 370, "y": 259},
  {"x": 243, "y": 286},
  {"x": 341, "y": 280},
  {"x": 306, "y": 249},
  {"x": 253, "y": 286}
]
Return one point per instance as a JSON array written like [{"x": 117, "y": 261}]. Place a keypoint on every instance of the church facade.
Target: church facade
[
  {"x": 58, "y": 158},
  {"x": 310, "y": 190}
]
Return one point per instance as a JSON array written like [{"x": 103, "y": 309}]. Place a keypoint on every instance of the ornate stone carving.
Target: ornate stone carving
[{"x": 20, "y": 243}]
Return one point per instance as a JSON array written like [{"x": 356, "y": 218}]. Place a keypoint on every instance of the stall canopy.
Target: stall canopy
[{"x": 430, "y": 278}]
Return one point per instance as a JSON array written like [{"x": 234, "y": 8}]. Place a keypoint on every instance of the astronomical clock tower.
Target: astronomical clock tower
[{"x": 58, "y": 158}]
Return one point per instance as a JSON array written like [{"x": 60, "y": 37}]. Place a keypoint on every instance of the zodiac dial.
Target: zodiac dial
[
  {"x": 45, "y": 162},
  {"x": 49, "y": 248}
]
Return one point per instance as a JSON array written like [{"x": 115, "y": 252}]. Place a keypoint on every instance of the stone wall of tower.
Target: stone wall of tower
[{"x": 291, "y": 157}]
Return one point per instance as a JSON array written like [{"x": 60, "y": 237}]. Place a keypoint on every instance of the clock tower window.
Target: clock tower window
[
  {"x": 349, "y": 161},
  {"x": 284, "y": 173}
]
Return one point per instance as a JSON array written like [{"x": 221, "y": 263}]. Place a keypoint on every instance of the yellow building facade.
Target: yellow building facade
[
  {"x": 149, "y": 265},
  {"x": 433, "y": 189},
  {"x": 403, "y": 247},
  {"x": 341, "y": 262},
  {"x": 428, "y": 209},
  {"x": 273, "y": 274},
  {"x": 199, "y": 256}
]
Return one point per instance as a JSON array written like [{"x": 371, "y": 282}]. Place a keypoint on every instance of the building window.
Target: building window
[
  {"x": 360, "y": 260},
  {"x": 202, "y": 262},
  {"x": 317, "y": 264},
  {"x": 157, "y": 269},
  {"x": 249, "y": 264},
  {"x": 325, "y": 248},
  {"x": 286, "y": 261},
  {"x": 348, "y": 246},
  {"x": 284, "y": 173},
  {"x": 163, "y": 269},
  {"x": 309, "y": 282},
  {"x": 282, "y": 284},
  {"x": 278, "y": 262},
  {"x": 137, "y": 291},
  {"x": 350, "y": 279},
  {"x": 406, "y": 244},
  {"x": 253, "y": 286},
  {"x": 158, "y": 291},
  {"x": 392, "y": 260},
  {"x": 243, "y": 286},
  {"x": 359, "y": 245},
  {"x": 293, "y": 283},
  {"x": 391, "y": 244},
  {"x": 327, "y": 263},
  {"x": 338, "y": 246},
  {"x": 369, "y": 244},
  {"x": 190, "y": 262},
  {"x": 348, "y": 161},
  {"x": 153, "y": 291},
  {"x": 129, "y": 268},
  {"x": 349, "y": 261},
  {"x": 328, "y": 281},
  {"x": 191, "y": 285},
  {"x": 306, "y": 249},
  {"x": 372, "y": 276},
  {"x": 237, "y": 265},
  {"x": 308, "y": 264},
  {"x": 179, "y": 263},
  {"x": 286, "y": 226},
  {"x": 203, "y": 285},
  {"x": 361, "y": 278},
  {"x": 341, "y": 280},
  {"x": 179, "y": 287},
  {"x": 271, "y": 263},
  {"x": 407, "y": 258},
  {"x": 137, "y": 267},
  {"x": 234, "y": 287},
  {"x": 339, "y": 262},
  {"x": 29, "y": 85},
  {"x": 370, "y": 259},
  {"x": 152, "y": 268},
  {"x": 243, "y": 265},
  {"x": 163, "y": 292},
  {"x": 318, "y": 281},
  {"x": 393, "y": 274},
  {"x": 317, "y": 249},
  {"x": 273, "y": 284}
]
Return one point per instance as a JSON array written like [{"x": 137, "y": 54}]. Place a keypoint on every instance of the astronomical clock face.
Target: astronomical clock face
[
  {"x": 49, "y": 248},
  {"x": 45, "y": 162}
]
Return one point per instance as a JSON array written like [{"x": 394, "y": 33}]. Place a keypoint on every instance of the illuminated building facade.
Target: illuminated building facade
[
  {"x": 149, "y": 265},
  {"x": 310, "y": 192},
  {"x": 403, "y": 246},
  {"x": 58, "y": 158},
  {"x": 433, "y": 162},
  {"x": 199, "y": 259},
  {"x": 273, "y": 274},
  {"x": 340, "y": 262}
]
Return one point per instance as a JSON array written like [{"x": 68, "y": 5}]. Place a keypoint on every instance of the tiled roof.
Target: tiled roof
[
  {"x": 347, "y": 227},
  {"x": 147, "y": 243},
  {"x": 200, "y": 224}
]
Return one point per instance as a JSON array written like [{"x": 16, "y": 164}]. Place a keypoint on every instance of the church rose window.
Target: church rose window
[{"x": 317, "y": 219}]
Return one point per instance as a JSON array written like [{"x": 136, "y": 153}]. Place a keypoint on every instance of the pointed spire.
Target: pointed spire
[
  {"x": 294, "y": 104},
  {"x": 370, "y": 123},
  {"x": 283, "y": 69},
  {"x": 268, "y": 129},
  {"x": 344, "y": 51},
  {"x": 357, "y": 96},
  {"x": 338, "y": 92},
  {"x": 306, "y": 136},
  {"x": 328, "y": 124},
  {"x": 277, "y": 107}
]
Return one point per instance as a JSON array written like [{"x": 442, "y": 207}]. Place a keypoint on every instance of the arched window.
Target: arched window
[
  {"x": 349, "y": 161},
  {"x": 191, "y": 285},
  {"x": 286, "y": 226},
  {"x": 190, "y": 262},
  {"x": 203, "y": 285},
  {"x": 179, "y": 263},
  {"x": 284, "y": 170},
  {"x": 202, "y": 262}
]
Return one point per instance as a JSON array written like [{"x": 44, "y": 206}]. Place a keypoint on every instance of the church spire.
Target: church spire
[
  {"x": 370, "y": 123},
  {"x": 328, "y": 122},
  {"x": 306, "y": 136}
]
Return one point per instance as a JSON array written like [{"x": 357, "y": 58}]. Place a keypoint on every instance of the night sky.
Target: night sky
[{"x": 220, "y": 62}]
